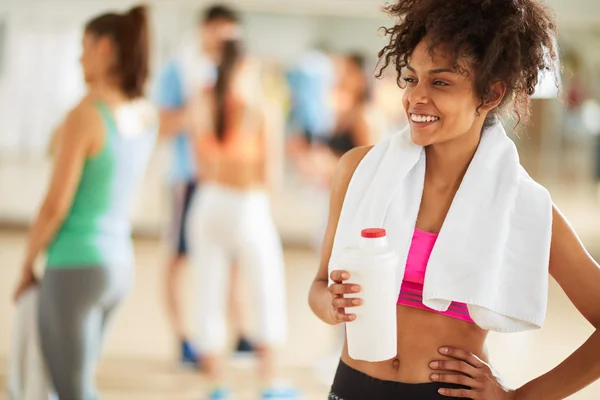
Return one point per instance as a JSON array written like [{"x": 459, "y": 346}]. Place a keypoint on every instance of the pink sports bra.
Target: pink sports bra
[{"x": 411, "y": 292}]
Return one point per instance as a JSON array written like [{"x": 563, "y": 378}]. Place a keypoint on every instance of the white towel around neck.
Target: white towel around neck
[{"x": 493, "y": 250}]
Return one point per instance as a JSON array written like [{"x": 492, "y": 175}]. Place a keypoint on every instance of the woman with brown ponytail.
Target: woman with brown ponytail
[
  {"x": 103, "y": 147},
  {"x": 231, "y": 219}
]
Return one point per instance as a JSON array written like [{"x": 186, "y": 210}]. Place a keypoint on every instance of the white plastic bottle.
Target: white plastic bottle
[{"x": 372, "y": 265}]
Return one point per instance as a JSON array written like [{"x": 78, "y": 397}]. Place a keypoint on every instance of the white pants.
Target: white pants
[{"x": 225, "y": 225}]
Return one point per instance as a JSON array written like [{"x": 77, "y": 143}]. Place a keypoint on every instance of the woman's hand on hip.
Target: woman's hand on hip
[
  {"x": 474, "y": 373},
  {"x": 338, "y": 290}
]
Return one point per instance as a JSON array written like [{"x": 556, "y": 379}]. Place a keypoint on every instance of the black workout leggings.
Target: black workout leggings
[{"x": 350, "y": 384}]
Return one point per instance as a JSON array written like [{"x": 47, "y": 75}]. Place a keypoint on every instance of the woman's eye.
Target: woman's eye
[
  {"x": 410, "y": 80},
  {"x": 440, "y": 83}
]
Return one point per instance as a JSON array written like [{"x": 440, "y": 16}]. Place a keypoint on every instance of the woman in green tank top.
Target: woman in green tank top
[{"x": 102, "y": 149}]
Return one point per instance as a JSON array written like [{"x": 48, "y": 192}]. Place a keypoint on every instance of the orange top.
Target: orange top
[{"x": 239, "y": 142}]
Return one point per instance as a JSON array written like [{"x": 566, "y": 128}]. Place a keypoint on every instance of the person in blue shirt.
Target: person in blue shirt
[
  {"x": 193, "y": 69},
  {"x": 311, "y": 82}
]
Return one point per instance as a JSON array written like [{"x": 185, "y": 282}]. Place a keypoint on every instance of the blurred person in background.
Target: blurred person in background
[
  {"x": 231, "y": 219},
  {"x": 351, "y": 98},
  {"x": 316, "y": 159},
  {"x": 311, "y": 82},
  {"x": 102, "y": 150},
  {"x": 192, "y": 70},
  {"x": 463, "y": 64}
]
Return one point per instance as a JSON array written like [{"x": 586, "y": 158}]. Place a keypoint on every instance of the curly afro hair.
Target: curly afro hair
[{"x": 502, "y": 40}]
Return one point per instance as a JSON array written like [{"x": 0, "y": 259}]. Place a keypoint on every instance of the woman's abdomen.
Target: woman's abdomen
[
  {"x": 420, "y": 335},
  {"x": 236, "y": 174}
]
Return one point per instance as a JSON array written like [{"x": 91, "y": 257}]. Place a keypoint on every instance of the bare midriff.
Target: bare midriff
[
  {"x": 421, "y": 334},
  {"x": 237, "y": 162}
]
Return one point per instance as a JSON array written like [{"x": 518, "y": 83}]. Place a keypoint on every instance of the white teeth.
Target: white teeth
[{"x": 423, "y": 118}]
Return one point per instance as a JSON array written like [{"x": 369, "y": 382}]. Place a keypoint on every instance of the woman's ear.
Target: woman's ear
[
  {"x": 105, "y": 47},
  {"x": 494, "y": 98}
]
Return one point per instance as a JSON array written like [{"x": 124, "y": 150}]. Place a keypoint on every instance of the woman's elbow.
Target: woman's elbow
[
  {"x": 312, "y": 302},
  {"x": 54, "y": 210}
]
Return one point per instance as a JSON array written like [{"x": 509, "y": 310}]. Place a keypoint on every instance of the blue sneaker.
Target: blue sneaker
[
  {"x": 220, "y": 394},
  {"x": 280, "y": 394},
  {"x": 189, "y": 357}
]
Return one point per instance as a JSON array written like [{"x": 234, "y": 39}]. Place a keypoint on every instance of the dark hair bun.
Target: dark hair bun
[{"x": 140, "y": 13}]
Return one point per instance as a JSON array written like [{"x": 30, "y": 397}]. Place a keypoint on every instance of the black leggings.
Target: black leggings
[{"x": 350, "y": 384}]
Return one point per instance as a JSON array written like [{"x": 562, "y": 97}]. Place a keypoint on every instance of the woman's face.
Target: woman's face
[
  {"x": 96, "y": 57},
  {"x": 440, "y": 102},
  {"x": 351, "y": 86},
  {"x": 214, "y": 34}
]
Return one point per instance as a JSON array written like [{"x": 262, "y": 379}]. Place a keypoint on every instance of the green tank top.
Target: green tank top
[{"x": 97, "y": 229}]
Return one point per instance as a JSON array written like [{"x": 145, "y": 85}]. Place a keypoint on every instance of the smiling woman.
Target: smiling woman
[
  {"x": 440, "y": 101},
  {"x": 502, "y": 41},
  {"x": 482, "y": 264},
  {"x": 477, "y": 53}
]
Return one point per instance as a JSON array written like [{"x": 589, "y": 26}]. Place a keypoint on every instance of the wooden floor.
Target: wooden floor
[{"x": 139, "y": 360}]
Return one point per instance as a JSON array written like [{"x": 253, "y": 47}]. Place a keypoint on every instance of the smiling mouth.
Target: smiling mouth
[{"x": 423, "y": 119}]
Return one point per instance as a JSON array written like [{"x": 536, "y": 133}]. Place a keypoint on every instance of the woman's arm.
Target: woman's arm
[
  {"x": 77, "y": 136},
  {"x": 319, "y": 297},
  {"x": 54, "y": 141},
  {"x": 579, "y": 276},
  {"x": 171, "y": 101},
  {"x": 198, "y": 122},
  {"x": 171, "y": 121}
]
